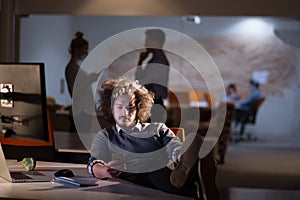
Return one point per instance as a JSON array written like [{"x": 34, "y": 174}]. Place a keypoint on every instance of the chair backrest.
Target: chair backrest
[
  {"x": 179, "y": 132},
  {"x": 229, "y": 115},
  {"x": 241, "y": 96},
  {"x": 224, "y": 138},
  {"x": 259, "y": 102},
  {"x": 194, "y": 95},
  {"x": 179, "y": 97},
  {"x": 208, "y": 98},
  {"x": 256, "y": 108}
]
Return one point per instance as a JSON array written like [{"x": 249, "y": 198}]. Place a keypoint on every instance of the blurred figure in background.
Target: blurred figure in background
[
  {"x": 153, "y": 71},
  {"x": 231, "y": 93},
  {"x": 245, "y": 106},
  {"x": 155, "y": 75},
  {"x": 79, "y": 50}
]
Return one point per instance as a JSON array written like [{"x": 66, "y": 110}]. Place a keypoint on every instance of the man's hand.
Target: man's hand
[
  {"x": 143, "y": 56},
  {"x": 113, "y": 172},
  {"x": 116, "y": 166}
]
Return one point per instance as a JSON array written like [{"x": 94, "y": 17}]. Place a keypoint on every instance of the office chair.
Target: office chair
[
  {"x": 250, "y": 118},
  {"x": 179, "y": 132},
  {"x": 194, "y": 96},
  {"x": 224, "y": 138},
  {"x": 209, "y": 98},
  {"x": 178, "y": 98}
]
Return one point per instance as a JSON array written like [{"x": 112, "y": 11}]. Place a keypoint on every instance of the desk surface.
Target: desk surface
[{"x": 106, "y": 189}]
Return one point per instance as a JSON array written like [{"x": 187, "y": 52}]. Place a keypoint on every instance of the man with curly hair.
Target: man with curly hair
[{"x": 140, "y": 152}]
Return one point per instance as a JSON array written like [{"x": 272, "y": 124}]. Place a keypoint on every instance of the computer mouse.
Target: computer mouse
[{"x": 64, "y": 172}]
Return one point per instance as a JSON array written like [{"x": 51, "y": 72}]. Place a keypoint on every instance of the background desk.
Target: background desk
[
  {"x": 188, "y": 117},
  {"x": 107, "y": 189},
  {"x": 70, "y": 148}
]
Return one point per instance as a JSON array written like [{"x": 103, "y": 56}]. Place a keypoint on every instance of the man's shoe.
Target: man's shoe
[{"x": 180, "y": 174}]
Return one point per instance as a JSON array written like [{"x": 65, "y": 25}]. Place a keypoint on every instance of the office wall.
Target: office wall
[{"x": 47, "y": 37}]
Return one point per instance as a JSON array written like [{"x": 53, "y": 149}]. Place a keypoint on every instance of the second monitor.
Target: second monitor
[{"x": 24, "y": 127}]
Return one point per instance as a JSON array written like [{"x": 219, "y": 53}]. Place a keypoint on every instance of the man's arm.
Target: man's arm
[
  {"x": 139, "y": 73},
  {"x": 101, "y": 170},
  {"x": 143, "y": 56},
  {"x": 172, "y": 143},
  {"x": 97, "y": 165}
]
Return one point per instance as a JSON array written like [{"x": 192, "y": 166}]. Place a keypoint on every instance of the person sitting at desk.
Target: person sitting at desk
[
  {"x": 139, "y": 152},
  {"x": 245, "y": 106},
  {"x": 231, "y": 93}
]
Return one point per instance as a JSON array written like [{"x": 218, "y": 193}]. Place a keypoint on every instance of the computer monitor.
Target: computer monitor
[{"x": 24, "y": 123}]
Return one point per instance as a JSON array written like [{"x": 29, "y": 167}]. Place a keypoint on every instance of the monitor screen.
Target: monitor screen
[{"x": 23, "y": 110}]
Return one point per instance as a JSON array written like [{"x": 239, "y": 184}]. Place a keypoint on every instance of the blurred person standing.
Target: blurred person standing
[
  {"x": 79, "y": 50},
  {"x": 153, "y": 65}
]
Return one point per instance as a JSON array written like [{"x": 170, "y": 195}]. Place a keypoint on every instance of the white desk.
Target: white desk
[{"x": 107, "y": 189}]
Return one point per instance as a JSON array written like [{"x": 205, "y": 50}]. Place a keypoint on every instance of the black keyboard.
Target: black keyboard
[
  {"x": 34, "y": 173},
  {"x": 19, "y": 175}
]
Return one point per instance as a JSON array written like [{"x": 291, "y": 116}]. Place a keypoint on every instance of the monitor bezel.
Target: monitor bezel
[{"x": 19, "y": 147}]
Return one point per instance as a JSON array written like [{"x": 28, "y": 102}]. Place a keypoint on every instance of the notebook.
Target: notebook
[{"x": 20, "y": 176}]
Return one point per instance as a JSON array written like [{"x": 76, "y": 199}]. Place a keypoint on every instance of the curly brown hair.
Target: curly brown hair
[{"x": 113, "y": 88}]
